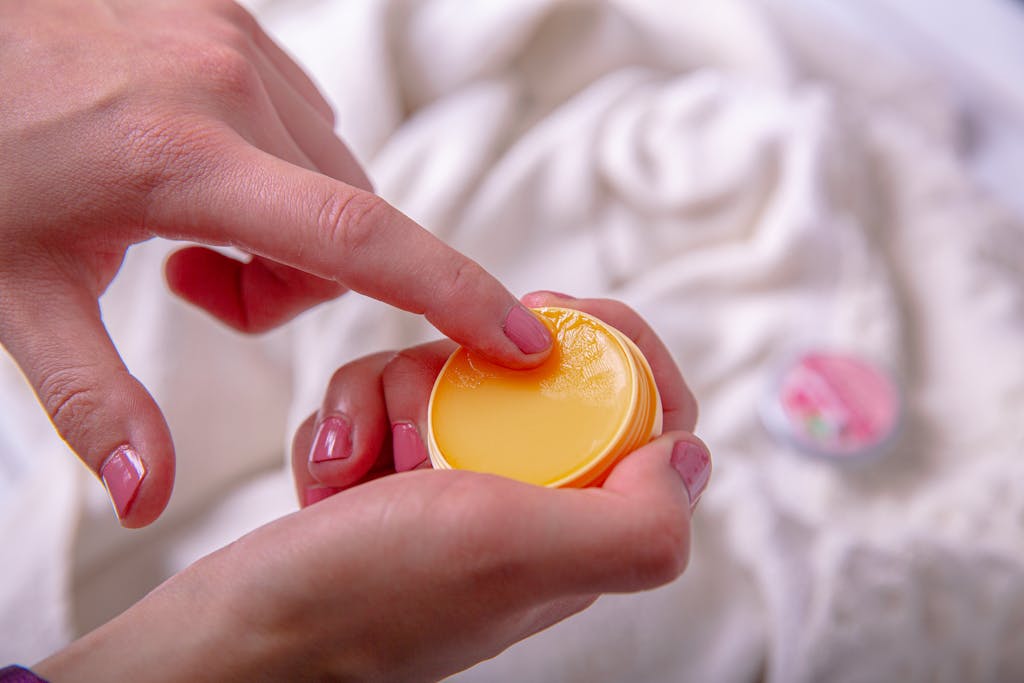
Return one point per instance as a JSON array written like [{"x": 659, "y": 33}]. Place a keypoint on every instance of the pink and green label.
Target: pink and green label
[{"x": 838, "y": 404}]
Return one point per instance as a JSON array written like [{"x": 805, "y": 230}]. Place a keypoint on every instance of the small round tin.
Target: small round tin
[
  {"x": 563, "y": 424},
  {"x": 833, "y": 405}
]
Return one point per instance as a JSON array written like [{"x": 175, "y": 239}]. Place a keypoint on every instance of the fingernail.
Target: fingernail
[
  {"x": 526, "y": 330},
  {"x": 407, "y": 447},
  {"x": 333, "y": 440},
  {"x": 122, "y": 474},
  {"x": 314, "y": 494},
  {"x": 694, "y": 467}
]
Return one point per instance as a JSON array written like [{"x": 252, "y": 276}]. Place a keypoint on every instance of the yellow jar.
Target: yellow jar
[{"x": 565, "y": 423}]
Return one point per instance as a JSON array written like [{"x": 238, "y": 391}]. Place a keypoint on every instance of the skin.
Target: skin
[
  {"x": 122, "y": 121},
  {"x": 410, "y": 576},
  {"x": 384, "y": 389}
]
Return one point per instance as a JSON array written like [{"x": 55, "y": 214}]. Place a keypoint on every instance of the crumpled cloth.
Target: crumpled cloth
[{"x": 753, "y": 177}]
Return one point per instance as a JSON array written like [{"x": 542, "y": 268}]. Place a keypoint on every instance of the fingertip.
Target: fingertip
[
  {"x": 531, "y": 335},
  {"x": 138, "y": 472},
  {"x": 408, "y": 449},
  {"x": 658, "y": 485},
  {"x": 337, "y": 456},
  {"x": 691, "y": 460},
  {"x": 139, "y": 488},
  {"x": 104, "y": 414},
  {"x": 676, "y": 466},
  {"x": 302, "y": 441}
]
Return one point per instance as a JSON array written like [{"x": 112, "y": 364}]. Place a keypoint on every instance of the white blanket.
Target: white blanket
[{"x": 754, "y": 177}]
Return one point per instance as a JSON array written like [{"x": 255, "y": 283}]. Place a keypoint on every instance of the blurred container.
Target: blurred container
[{"x": 833, "y": 405}]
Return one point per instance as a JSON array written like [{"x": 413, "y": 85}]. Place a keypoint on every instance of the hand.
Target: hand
[
  {"x": 416, "y": 576},
  {"x": 124, "y": 120},
  {"x": 373, "y": 417},
  {"x": 409, "y": 577}
]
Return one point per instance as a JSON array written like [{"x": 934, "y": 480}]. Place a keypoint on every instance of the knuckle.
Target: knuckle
[
  {"x": 350, "y": 222},
  {"x": 70, "y": 400},
  {"x": 226, "y": 69},
  {"x": 403, "y": 364},
  {"x": 160, "y": 146},
  {"x": 464, "y": 282},
  {"x": 168, "y": 154},
  {"x": 356, "y": 372}
]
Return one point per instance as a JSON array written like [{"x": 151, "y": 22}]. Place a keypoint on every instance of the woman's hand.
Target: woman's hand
[
  {"x": 123, "y": 120},
  {"x": 415, "y": 576},
  {"x": 373, "y": 417},
  {"x": 409, "y": 577}
]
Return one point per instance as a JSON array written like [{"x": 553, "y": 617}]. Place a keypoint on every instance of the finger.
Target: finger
[
  {"x": 642, "y": 538},
  {"x": 260, "y": 294},
  {"x": 269, "y": 207},
  {"x": 660, "y": 486},
  {"x": 679, "y": 406},
  {"x": 252, "y": 296},
  {"x": 307, "y": 489},
  {"x": 631, "y": 534},
  {"x": 351, "y": 426},
  {"x": 408, "y": 380},
  {"x": 104, "y": 414}
]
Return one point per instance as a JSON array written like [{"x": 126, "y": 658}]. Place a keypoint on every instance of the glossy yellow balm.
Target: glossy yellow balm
[{"x": 564, "y": 423}]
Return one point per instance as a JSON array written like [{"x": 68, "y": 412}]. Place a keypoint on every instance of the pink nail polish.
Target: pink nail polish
[
  {"x": 407, "y": 446},
  {"x": 526, "y": 330},
  {"x": 314, "y": 494},
  {"x": 694, "y": 467},
  {"x": 122, "y": 474},
  {"x": 333, "y": 440}
]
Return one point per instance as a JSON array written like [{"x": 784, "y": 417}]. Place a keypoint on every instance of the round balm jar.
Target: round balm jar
[
  {"x": 562, "y": 424},
  {"x": 834, "y": 405}
]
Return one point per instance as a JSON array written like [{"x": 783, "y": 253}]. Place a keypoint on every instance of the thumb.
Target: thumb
[
  {"x": 104, "y": 414},
  {"x": 658, "y": 485},
  {"x": 643, "y": 469},
  {"x": 632, "y": 533}
]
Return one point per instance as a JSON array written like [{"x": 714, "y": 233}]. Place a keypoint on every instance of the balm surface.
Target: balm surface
[{"x": 562, "y": 423}]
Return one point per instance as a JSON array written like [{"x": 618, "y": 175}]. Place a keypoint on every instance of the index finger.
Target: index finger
[{"x": 307, "y": 220}]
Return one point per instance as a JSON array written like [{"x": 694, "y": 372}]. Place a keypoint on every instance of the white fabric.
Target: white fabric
[{"x": 754, "y": 177}]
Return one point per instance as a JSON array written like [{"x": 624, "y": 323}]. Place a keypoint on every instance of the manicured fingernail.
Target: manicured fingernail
[
  {"x": 314, "y": 494},
  {"x": 407, "y": 447},
  {"x": 694, "y": 467},
  {"x": 526, "y": 330},
  {"x": 122, "y": 474},
  {"x": 333, "y": 440},
  {"x": 560, "y": 295}
]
